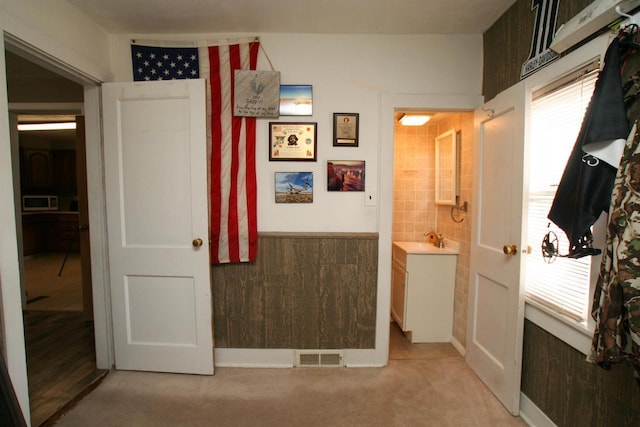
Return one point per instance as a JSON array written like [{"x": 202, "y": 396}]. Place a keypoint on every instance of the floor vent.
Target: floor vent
[{"x": 319, "y": 358}]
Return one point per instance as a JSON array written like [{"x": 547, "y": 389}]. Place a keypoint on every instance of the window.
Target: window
[{"x": 556, "y": 116}]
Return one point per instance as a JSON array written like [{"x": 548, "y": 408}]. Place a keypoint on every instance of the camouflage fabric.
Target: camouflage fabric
[{"x": 616, "y": 301}]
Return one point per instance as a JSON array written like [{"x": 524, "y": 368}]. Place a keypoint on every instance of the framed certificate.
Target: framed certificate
[
  {"x": 345, "y": 129},
  {"x": 292, "y": 141}
]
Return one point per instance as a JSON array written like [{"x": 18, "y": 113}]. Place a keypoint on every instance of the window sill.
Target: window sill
[{"x": 577, "y": 335}]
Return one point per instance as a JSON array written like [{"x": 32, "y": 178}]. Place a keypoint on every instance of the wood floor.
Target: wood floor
[{"x": 59, "y": 342}]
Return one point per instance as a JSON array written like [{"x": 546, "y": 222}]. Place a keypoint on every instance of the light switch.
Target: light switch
[{"x": 369, "y": 198}]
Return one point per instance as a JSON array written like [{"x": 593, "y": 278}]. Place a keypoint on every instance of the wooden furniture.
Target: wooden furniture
[
  {"x": 49, "y": 231},
  {"x": 48, "y": 171}
]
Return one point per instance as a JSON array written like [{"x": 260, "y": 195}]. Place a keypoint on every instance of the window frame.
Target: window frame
[
  {"x": 539, "y": 287},
  {"x": 574, "y": 333}
]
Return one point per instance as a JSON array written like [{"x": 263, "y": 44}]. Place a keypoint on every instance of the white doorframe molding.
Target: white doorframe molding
[
  {"x": 14, "y": 344},
  {"x": 98, "y": 228},
  {"x": 389, "y": 104}
]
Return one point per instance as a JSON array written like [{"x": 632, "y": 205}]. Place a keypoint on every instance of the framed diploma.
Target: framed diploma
[
  {"x": 345, "y": 129},
  {"x": 292, "y": 141}
]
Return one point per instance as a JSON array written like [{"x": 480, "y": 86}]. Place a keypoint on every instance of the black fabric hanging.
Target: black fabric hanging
[{"x": 585, "y": 189}]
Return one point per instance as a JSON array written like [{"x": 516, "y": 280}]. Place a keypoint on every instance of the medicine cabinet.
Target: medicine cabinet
[{"x": 447, "y": 158}]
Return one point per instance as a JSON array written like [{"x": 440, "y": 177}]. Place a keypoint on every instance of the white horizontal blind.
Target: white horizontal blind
[{"x": 556, "y": 117}]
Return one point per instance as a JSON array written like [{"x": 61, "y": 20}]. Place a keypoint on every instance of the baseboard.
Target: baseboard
[
  {"x": 253, "y": 358},
  {"x": 533, "y": 415},
  {"x": 286, "y": 358},
  {"x": 456, "y": 344}
]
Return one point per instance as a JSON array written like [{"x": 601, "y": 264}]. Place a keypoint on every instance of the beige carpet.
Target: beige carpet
[{"x": 429, "y": 386}]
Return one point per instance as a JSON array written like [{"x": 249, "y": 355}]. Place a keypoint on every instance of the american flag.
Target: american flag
[{"x": 232, "y": 171}]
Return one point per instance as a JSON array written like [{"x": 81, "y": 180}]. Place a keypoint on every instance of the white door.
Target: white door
[
  {"x": 496, "y": 300},
  {"x": 157, "y": 215}
]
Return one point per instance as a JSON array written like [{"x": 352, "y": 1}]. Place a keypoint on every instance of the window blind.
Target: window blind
[{"x": 556, "y": 116}]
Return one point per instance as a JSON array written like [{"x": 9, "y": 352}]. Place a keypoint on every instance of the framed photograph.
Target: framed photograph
[
  {"x": 292, "y": 141},
  {"x": 296, "y": 100},
  {"x": 345, "y": 129},
  {"x": 294, "y": 187},
  {"x": 345, "y": 175}
]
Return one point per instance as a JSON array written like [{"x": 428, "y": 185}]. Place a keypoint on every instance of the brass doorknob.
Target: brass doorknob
[
  {"x": 197, "y": 242},
  {"x": 510, "y": 249}
]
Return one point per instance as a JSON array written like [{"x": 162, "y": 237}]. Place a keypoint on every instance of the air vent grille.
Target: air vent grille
[{"x": 319, "y": 358}]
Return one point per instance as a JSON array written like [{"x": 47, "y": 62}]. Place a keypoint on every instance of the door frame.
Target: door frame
[
  {"x": 389, "y": 104},
  {"x": 14, "y": 344}
]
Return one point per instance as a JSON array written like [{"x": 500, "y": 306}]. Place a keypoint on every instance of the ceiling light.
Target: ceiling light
[
  {"x": 47, "y": 126},
  {"x": 414, "y": 119}
]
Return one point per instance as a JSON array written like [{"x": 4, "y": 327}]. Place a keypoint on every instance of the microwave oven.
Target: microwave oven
[{"x": 39, "y": 203}]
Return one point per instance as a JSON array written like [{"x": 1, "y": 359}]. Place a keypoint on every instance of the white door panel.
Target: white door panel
[
  {"x": 155, "y": 172},
  {"x": 496, "y": 301}
]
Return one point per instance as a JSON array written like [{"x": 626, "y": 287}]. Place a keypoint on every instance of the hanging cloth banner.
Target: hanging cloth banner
[
  {"x": 231, "y": 139},
  {"x": 543, "y": 30},
  {"x": 257, "y": 93}
]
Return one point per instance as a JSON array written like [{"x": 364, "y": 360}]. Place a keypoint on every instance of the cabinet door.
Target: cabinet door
[
  {"x": 38, "y": 173},
  {"x": 64, "y": 171},
  {"x": 398, "y": 294}
]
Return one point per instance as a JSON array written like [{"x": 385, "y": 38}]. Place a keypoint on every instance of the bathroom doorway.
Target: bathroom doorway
[{"x": 415, "y": 211}]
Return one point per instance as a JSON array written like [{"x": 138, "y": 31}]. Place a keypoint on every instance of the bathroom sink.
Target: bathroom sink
[{"x": 450, "y": 247}]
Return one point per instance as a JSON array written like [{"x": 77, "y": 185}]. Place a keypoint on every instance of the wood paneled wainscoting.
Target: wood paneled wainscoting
[
  {"x": 304, "y": 291},
  {"x": 573, "y": 392}
]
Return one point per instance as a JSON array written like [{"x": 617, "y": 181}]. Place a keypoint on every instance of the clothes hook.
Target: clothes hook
[
  {"x": 625, "y": 15},
  {"x": 490, "y": 111}
]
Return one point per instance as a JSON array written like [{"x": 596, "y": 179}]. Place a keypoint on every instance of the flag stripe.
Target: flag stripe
[
  {"x": 251, "y": 184},
  {"x": 240, "y": 189},
  {"x": 216, "y": 157},
  {"x": 236, "y": 127},
  {"x": 225, "y": 145}
]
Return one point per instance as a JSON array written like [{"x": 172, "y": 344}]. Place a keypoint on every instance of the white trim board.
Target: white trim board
[
  {"x": 532, "y": 415},
  {"x": 285, "y": 358}
]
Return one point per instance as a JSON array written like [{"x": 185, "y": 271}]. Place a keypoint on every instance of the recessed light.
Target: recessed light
[
  {"x": 46, "y": 126},
  {"x": 414, "y": 119}
]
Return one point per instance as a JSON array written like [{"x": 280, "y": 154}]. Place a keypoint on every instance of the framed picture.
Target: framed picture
[
  {"x": 294, "y": 187},
  {"x": 345, "y": 175},
  {"x": 296, "y": 100},
  {"x": 292, "y": 141},
  {"x": 345, "y": 129}
]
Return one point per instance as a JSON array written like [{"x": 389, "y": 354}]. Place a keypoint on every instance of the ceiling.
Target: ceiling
[{"x": 295, "y": 16}]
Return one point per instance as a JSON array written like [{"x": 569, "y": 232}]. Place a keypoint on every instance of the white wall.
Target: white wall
[
  {"x": 365, "y": 74},
  {"x": 60, "y": 31},
  {"x": 348, "y": 74}
]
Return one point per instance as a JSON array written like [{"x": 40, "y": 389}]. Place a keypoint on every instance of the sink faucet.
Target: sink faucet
[{"x": 436, "y": 238}]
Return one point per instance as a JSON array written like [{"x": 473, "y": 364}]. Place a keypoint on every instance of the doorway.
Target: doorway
[
  {"x": 55, "y": 265},
  {"x": 415, "y": 211}
]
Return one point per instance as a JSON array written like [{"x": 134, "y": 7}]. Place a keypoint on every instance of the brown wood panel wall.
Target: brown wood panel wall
[
  {"x": 573, "y": 392},
  {"x": 304, "y": 291},
  {"x": 507, "y": 43}
]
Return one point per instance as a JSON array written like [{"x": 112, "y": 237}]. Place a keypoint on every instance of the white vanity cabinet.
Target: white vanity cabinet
[{"x": 422, "y": 290}]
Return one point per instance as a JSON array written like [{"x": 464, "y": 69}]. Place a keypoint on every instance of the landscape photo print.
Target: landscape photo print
[{"x": 294, "y": 187}]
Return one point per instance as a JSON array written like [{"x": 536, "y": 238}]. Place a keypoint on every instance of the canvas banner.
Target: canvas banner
[{"x": 256, "y": 93}]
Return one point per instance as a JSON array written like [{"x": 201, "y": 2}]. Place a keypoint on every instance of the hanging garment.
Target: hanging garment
[
  {"x": 616, "y": 301},
  {"x": 585, "y": 187}
]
